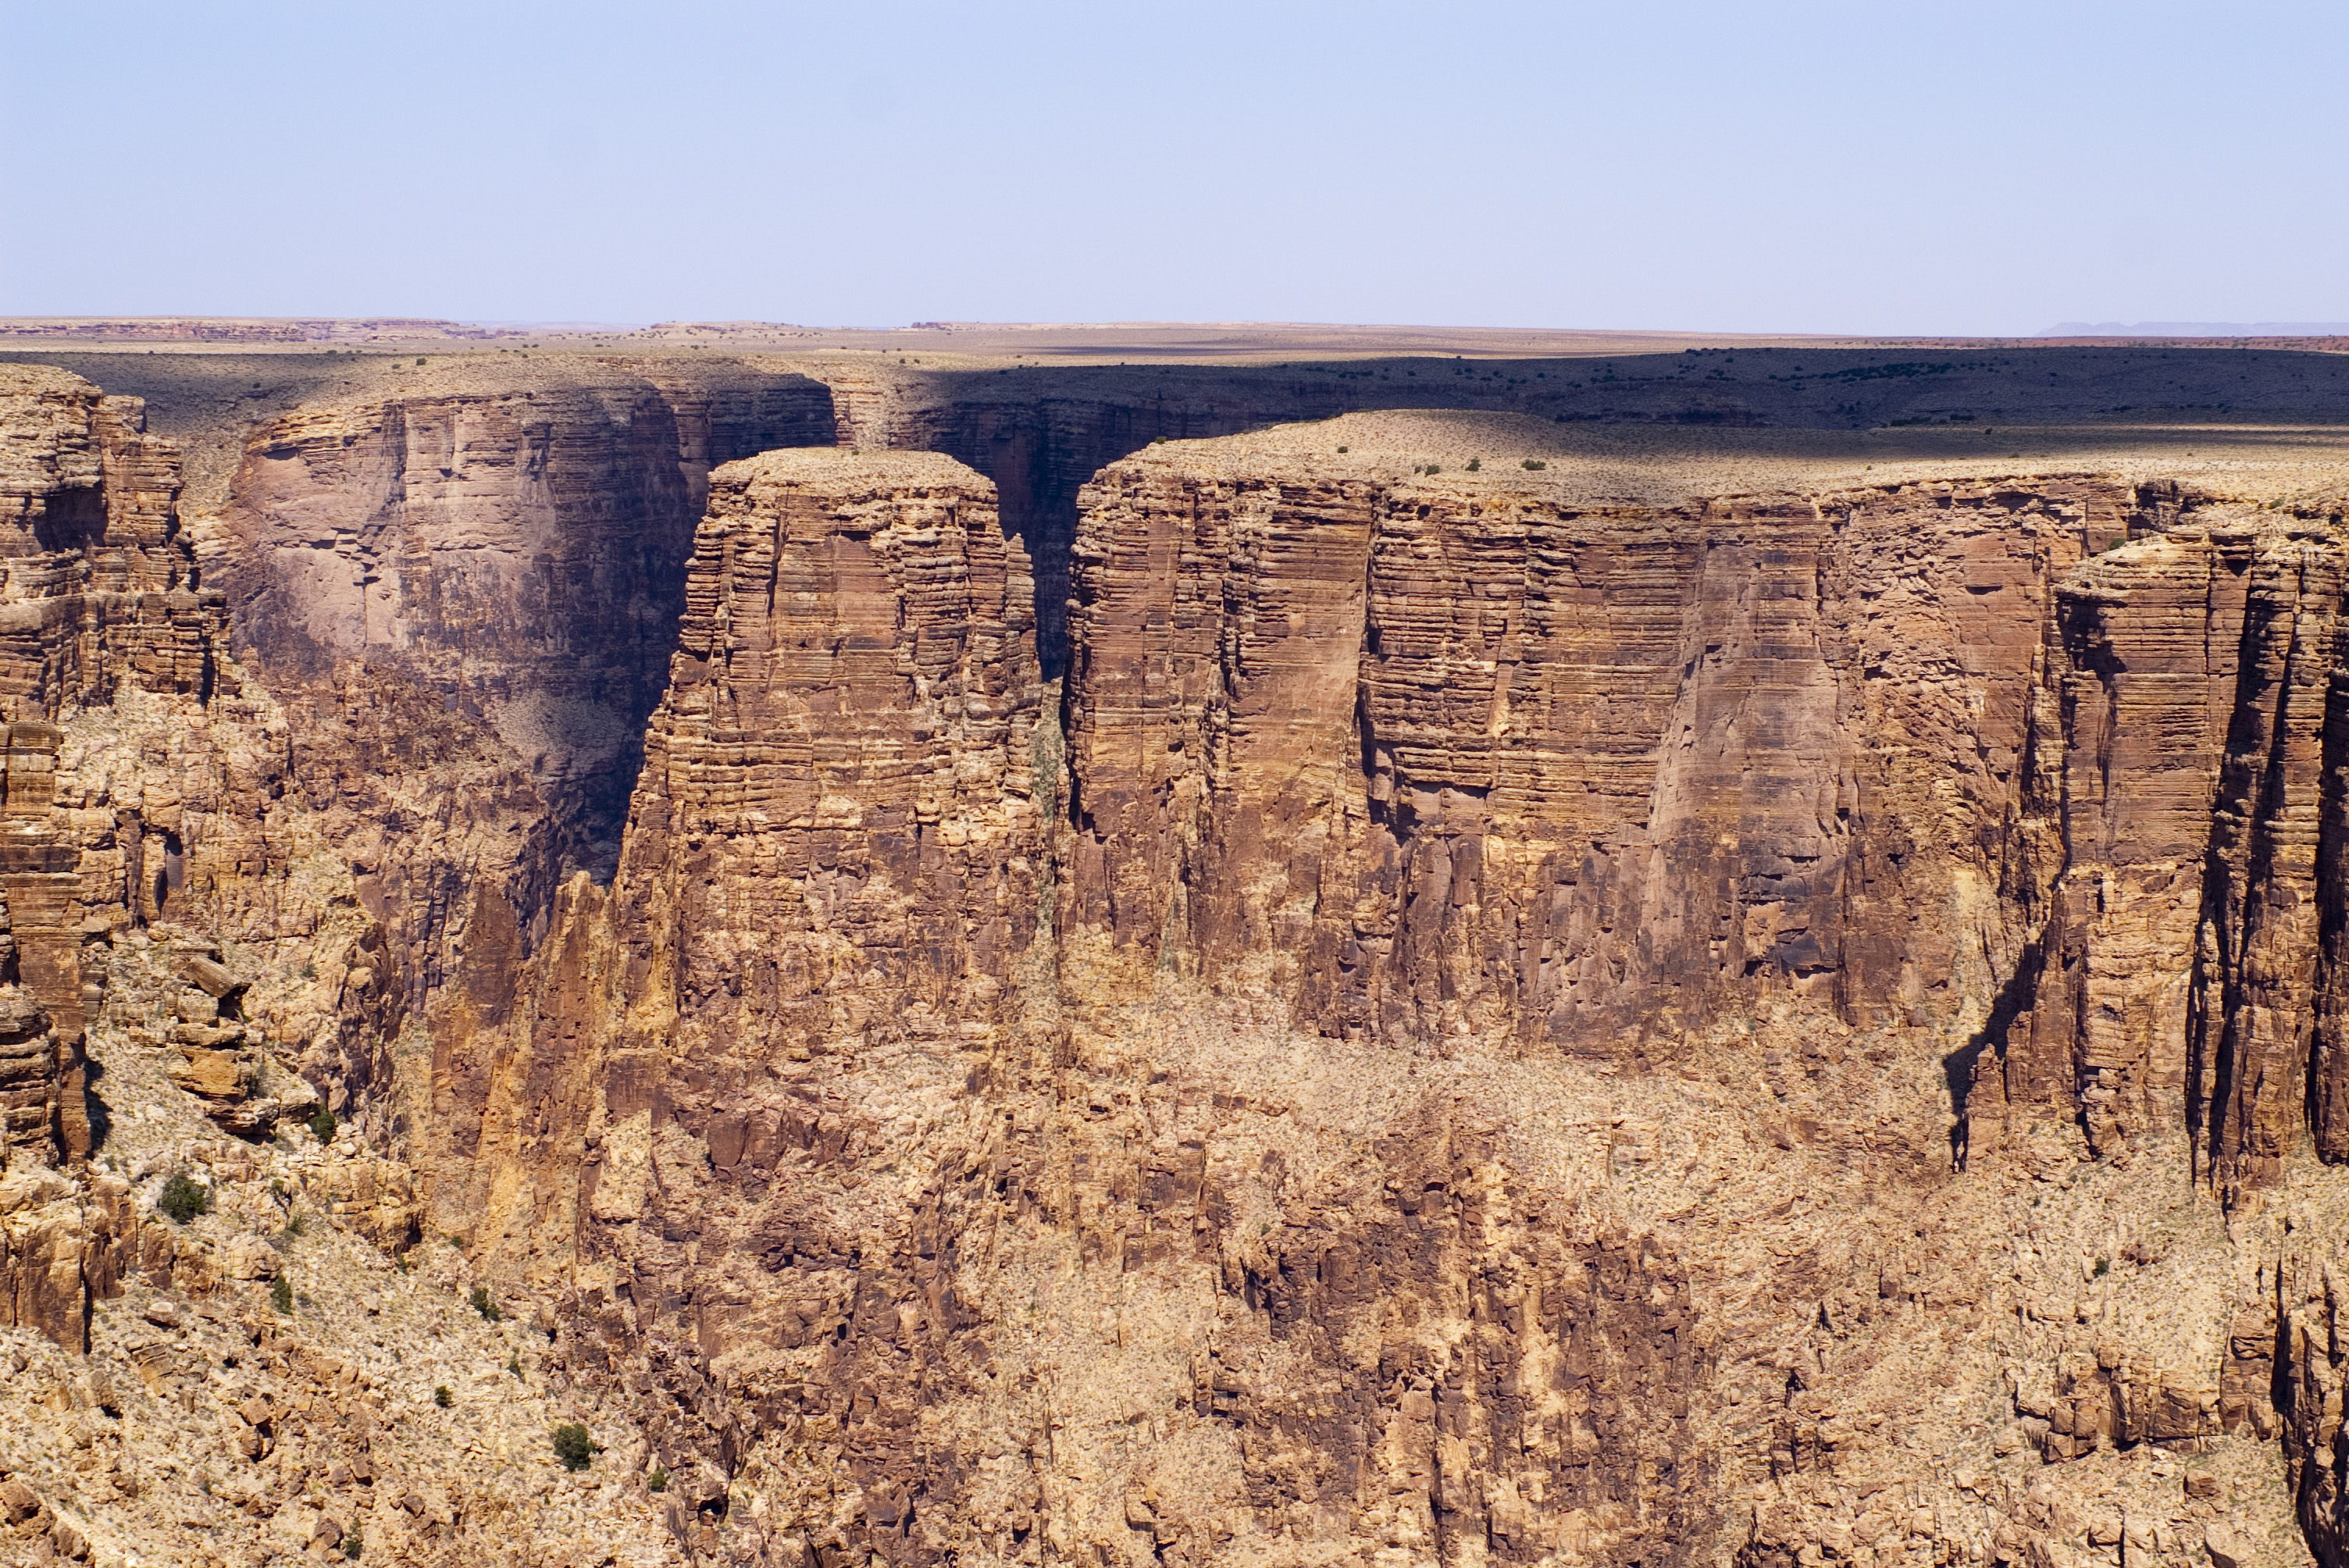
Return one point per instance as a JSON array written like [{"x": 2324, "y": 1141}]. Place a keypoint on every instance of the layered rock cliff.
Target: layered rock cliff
[
  {"x": 1041, "y": 431},
  {"x": 1500, "y": 761},
  {"x": 509, "y": 547},
  {"x": 137, "y": 795},
  {"x": 209, "y": 1354},
  {"x": 465, "y": 592},
  {"x": 832, "y": 852},
  {"x": 99, "y": 597},
  {"x": 1479, "y": 1086},
  {"x": 857, "y": 1193},
  {"x": 1684, "y": 1000},
  {"x": 2185, "y": 979}
]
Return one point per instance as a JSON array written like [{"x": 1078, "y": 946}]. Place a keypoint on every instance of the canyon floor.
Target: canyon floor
[{"x": 1311, "y": 948}]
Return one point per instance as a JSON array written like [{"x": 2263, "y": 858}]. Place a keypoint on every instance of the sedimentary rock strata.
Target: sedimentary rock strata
[
  {"x": 512, "y": 552},
  {"x": 102, "y": 590},
  {"x": 1468, "y": 777},
  {"x": 180, "y": 948},
  {"x": 834, "y": 849},
  {"x": 466, "y": 594},
  {"x": 2185, "y": 975},
  {"x": 1489, "y": 758},
  {"x": 136, "y": 791},
  {"x": 29, "y": 1077},
  {"x": 1357, "y": 757},
  {"x": 848, "y": 740},
  {"x": 1653, "y": 996}
]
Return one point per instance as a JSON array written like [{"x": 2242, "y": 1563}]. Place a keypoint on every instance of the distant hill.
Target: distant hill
[{"x": 2196, "y": 329}]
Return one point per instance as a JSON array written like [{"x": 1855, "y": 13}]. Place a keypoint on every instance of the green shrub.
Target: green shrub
[
  {"x": 573, "y": 1447},
  {"x": 657, "y": 1480},
  {"x": 513, "y": 1363},
  {"x": 1435, "y": 467},
  {"x": 485, "y": 1305},
  {"x": 1532, "y": 463},
  {"x": 1476, "y": 463},
  {"x": 351, "y": 1547},
  {"x": 441, "y": 1396},
  {"x": 184, "y": 1198},
  {"x": 280, "y": 1293},
  {"x": 1341, "y": 449},
  {"x": 322, "y": 1125}
]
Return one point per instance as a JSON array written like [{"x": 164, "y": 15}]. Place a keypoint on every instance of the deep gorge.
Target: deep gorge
[{"x": 1709, "y": 958}]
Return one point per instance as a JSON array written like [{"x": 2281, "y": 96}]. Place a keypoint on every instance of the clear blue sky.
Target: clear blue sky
[{"x": 1896, "y": 167}]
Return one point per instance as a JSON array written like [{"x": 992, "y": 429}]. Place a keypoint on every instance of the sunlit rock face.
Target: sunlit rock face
[{"x": 1424, "y": 987}]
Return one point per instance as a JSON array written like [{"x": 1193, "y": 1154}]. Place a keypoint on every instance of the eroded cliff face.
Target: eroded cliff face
[
  {"x": 98, "y": 594},
  {"x": 834, "y": 849},
  {"x": 2185, "y": 979},
  {"x": 102, "y": 591},
  {"x": 206, "y": 1343},
  {"x": 136, "y": 787},
  {"x": 1432, "y": 762},
  {"x": 1042, "y": 429},
  {"x": 1040, "y": 446},
  {"x": 465, "y": 595},
  {"x": 510, "y": 547},
  {"x": 1692, "y": 1005},
  {"x": 849, "y": 735},
  {"x": 860, "y": 1195},
  {"x": 1477, "y": 1087}
]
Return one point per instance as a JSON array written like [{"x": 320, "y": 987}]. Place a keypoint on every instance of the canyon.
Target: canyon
[{"x": 1731, "y": 954}]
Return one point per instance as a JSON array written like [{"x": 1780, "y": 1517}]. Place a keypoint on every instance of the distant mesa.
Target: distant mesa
[
  {"x": 256, "y": 329},
  {"x": 665, "y": 329},
  {"x": 289, "y": 329},
  {"x": 2197, "y": 329}
]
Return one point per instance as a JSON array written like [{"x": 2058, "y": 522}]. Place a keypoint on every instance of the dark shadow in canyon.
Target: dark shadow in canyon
[{"x": 1042, "y": 433}]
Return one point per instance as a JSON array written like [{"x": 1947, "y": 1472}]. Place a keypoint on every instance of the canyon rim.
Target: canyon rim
[{"x": 1123, "y": 946}]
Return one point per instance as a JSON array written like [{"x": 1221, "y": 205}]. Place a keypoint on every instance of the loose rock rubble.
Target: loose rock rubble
[{"x": 207, "y": 1425}]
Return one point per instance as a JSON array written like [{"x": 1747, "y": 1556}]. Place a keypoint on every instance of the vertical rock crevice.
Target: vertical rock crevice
[{"x": 2186, "y": 976}]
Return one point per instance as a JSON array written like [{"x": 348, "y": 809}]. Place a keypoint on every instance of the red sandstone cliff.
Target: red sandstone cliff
[
  {"x": 837, "y": 1140},
  {"x": 1472, "y": 778},
  {"x": 1438, "y": 1039},
  {"x": 99, "y": 603},
  {"x": 465, "y": 595},
  {"x": 1486, "y": 759}
]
